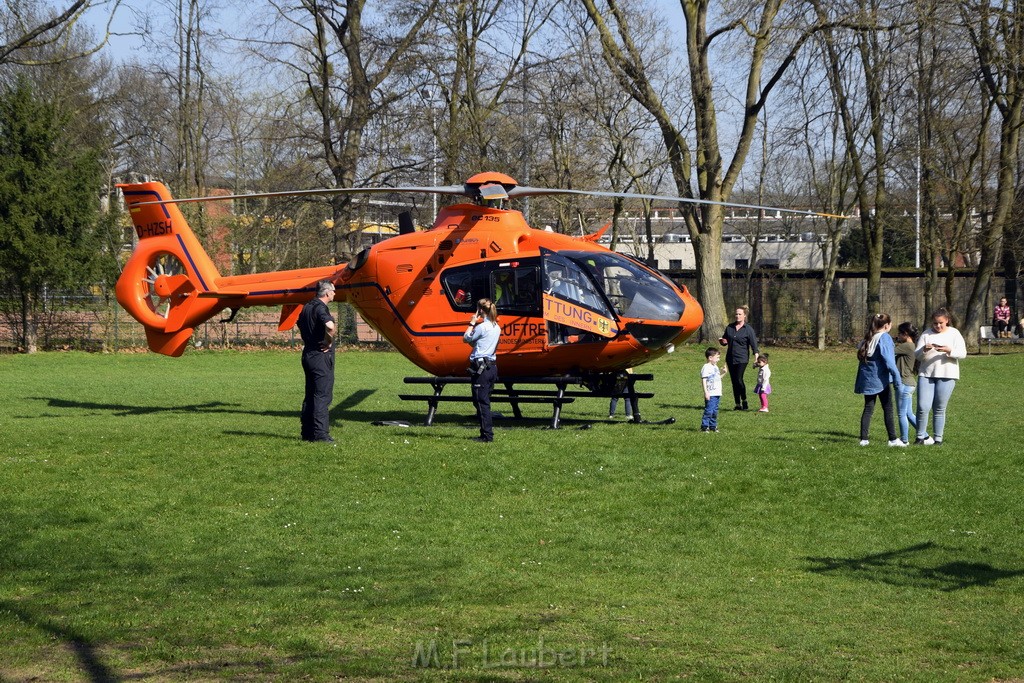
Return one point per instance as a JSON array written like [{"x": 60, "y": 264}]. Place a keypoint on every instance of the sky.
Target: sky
[
  {"x": 121, "y": 44},
  {"x": 126, "y": 43}
]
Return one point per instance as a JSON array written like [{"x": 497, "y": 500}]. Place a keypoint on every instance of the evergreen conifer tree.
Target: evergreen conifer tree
[{"x": 50, "y": 187}]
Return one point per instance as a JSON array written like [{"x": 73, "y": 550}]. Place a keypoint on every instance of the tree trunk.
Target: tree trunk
[
  {"x": 999, "y": 44},
  {"x": 830, "y": 261},
  {"x": 992, "y": 238},
  {"x": 29, "y": 327},
  {"x": 707, "y": 251}
]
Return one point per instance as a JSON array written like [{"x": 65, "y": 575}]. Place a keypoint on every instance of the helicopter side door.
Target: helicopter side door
[
  {"x": 575, "y": 309},
  {"x": 514, "y": 287}
]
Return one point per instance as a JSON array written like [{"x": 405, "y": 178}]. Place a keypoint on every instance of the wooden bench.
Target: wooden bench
[
  {"x": 989, "y": 337},
  {"x": 506, "y": 391}
]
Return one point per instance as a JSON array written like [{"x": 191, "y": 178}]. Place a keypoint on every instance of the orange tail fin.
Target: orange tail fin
[{"x": 161, "y": 283}]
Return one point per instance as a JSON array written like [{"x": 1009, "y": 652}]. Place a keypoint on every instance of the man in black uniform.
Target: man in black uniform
[{"x": 317, "y": 329}]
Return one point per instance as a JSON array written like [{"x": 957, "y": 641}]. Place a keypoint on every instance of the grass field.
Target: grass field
[{"x": 160, "y": 520}]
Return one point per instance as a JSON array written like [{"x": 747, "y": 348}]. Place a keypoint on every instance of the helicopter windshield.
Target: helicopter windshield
[
  {"x": 632, "y": 290},
  {"x": 569, "y": 281}
]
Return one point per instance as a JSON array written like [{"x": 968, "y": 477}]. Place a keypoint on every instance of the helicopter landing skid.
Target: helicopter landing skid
[{"x": 559, "y": 395}]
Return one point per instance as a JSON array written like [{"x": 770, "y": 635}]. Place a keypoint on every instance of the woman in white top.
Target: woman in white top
[{"x": 939, "y": 350}]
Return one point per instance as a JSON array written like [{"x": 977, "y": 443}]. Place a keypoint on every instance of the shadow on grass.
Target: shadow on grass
[
  {"x": 345, "y": 410},
  {"x": 925, "y": 565},
  {"x": 90, "y": 664},
  {"x": 835, "y": 436},
  {"x": 122, "y": 410},
  {"x": 342, "y": 410},
  {"x": 85, "y": 652}
]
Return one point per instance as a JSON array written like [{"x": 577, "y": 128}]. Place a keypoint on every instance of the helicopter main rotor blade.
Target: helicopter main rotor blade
[
  {"x": 443, "y": 189},
  {"x": 474, "y": 192},
  {"x": 541, "y": 191}
]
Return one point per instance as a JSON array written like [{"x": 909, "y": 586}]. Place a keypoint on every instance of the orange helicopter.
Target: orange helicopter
[{"x": 567, "y": 305}]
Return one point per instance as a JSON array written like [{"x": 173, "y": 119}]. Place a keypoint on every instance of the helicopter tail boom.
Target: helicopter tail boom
[{"x": 171, "y": 285}]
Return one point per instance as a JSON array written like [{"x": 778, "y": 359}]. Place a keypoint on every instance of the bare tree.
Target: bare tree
[
  {"x": 768, "y": 52},
  {"x": 485, "y": 74},
  {"x": 860, "y": 67},
  {"x": 191, "y": 84},
  {"x": 628, "y": 159},
  {"x": 829, "y": 181},
  {"x": 997, "y": 34},
  {"x": 946, "y": 144},
  {"x": 351, "y": 70},
  {"x": 23, "y": 32},
  {"x": 564, "y": 102}
]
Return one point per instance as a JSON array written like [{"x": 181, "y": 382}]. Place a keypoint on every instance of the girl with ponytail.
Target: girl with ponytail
[
  {"x": 877, "y": 368},
  {"x": 483, "y": 334}
]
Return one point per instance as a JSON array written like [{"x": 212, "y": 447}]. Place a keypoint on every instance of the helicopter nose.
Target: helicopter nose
[
  {"x": 693, "y": 315},
  {"x": 656, "y": 336}
]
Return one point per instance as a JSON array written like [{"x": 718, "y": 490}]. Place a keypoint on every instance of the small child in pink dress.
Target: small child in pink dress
[{"x": 764, "y": 386}]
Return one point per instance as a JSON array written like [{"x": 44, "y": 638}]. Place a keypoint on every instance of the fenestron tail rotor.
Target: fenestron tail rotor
[{"x": 165, "y": 274}]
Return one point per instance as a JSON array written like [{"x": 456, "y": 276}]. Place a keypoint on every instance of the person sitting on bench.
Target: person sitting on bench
[{"x": 1001, "y": 324}]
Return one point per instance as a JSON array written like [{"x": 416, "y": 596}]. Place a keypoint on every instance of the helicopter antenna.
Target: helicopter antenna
[{"x": 405, "y": 224}]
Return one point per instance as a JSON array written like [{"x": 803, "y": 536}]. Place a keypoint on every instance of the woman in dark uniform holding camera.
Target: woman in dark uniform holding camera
[{"x": 483, "y": 334}]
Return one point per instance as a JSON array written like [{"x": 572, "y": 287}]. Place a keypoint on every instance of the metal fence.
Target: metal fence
[
  {"x": 782, "y": 304},
  {"x": 98, "y": 324}
]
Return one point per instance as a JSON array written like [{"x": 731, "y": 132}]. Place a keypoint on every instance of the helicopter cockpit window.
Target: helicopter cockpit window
[
  {"x": 632, "y": 289},
  {"x": 566, "y": 279}
]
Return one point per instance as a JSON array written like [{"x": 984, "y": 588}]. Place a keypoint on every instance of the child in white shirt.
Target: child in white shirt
[{"x": 711, "y": 382}]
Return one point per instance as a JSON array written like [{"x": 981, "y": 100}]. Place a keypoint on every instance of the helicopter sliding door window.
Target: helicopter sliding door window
[
  {"x": 514, "y": 287},
  {"x": 568, "y": 280},
  {"x": 517, "y": 289}
]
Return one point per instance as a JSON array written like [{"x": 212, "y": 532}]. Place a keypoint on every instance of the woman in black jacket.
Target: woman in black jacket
[{"x": 742, "y": 342}]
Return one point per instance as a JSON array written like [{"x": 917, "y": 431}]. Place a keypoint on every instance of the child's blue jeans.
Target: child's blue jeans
[
  {"x": 906, "y": 411},
  {"x": 932, "y": 396},
  {"x": 710, "y": 418}
]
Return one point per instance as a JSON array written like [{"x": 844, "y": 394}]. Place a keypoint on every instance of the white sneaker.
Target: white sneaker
[
  {"x": 925, "y": 442},
  {"x": 763, "y": 410},
  {"x": 864, "y": 442},
  {"x": 899, "y": 443}
]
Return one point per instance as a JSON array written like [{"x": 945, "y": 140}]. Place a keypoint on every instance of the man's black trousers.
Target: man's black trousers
[{"x": 319, "y": 370}]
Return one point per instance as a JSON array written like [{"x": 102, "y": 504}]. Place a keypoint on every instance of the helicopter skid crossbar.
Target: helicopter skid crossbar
[{"x": 505, "y": 391}]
